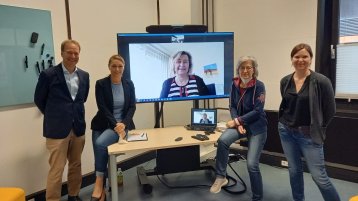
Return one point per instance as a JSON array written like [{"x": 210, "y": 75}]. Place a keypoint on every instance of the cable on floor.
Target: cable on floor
[
  {"x": 189, "y": 186},
  {"x": 226, "y": 188}
]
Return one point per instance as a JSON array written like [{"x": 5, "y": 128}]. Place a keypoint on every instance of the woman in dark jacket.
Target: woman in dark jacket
[
  {"x": 116, "y": 104},
  {"x": 247, "y": 99},
  {"x": 306, "y": 109}
]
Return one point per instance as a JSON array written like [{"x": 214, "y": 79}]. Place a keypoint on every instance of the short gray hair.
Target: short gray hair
[{"x": 244, "y": 59}]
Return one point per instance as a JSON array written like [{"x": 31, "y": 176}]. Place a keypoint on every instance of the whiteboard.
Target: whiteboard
[{"x": 17, "y": 25}]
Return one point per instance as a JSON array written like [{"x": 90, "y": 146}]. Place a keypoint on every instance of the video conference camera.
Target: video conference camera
[{"x": 177, "y": 29}]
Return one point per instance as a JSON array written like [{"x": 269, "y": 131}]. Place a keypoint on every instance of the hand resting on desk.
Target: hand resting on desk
[{"x": 122, "y": 141}]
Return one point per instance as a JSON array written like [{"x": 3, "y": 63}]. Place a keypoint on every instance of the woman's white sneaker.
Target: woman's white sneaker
[{"x": 219, "y": 182}]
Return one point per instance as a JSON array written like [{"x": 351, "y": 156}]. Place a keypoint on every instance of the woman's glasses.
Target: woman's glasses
[{"x": 242, "y": 68}]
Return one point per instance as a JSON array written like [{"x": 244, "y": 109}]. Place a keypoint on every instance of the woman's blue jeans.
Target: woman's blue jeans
[
  {"x": 255, "y": 146},
  {"x": 296, "y": 144},
  {"x": 100, "y": 142}
]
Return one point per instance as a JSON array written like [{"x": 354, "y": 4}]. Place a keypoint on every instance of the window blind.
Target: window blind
[{"x": 347, "y": 71}]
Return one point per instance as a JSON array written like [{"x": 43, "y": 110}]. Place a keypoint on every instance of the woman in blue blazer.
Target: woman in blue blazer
[{"x": 116, "y": 104}]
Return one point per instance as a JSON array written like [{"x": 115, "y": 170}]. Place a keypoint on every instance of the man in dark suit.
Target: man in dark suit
[{"x": 60, "y": 94}]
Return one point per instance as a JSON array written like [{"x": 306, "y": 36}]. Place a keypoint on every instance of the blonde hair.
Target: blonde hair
[
  {"x": 116, "y": 57},
  {"x": 176, "y": 56},
  {"x": 64, "y": 43}
]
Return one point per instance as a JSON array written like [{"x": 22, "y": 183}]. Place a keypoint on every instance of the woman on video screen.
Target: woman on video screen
[
  {"x": 204, "y": 119},
  {"x": 183, "y": 84}
]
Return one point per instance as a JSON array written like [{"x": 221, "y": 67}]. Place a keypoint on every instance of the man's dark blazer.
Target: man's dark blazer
[
  {"x": 104, "y": 118},
  {"x": 61, "y": 113}
]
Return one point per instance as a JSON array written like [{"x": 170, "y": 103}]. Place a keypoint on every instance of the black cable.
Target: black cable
[
  {"x": 174, "y": 187},
  {"x": 226, "y": 188}
]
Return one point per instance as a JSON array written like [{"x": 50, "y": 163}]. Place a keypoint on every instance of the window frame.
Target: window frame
[{"x": 327, "y": 38}]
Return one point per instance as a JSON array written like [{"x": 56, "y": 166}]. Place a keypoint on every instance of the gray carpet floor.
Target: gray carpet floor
[{"x": 275, "y": 182}]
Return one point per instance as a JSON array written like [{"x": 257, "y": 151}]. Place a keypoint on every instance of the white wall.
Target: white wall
[
  {"x": 265, "y": 29},
  {"x": 268, "y": 30},
  {"x": 95, "y": 26},
  {"x": 23, "y": 161}
]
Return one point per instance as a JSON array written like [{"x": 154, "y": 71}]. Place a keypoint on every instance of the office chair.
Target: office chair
[
  {"x": 211, "y": 89},
  {"x": 12, "y": 194},
  {"x": 354, "y": 198}
]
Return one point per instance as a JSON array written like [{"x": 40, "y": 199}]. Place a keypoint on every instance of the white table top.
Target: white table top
[{"x": 162, "y": 138}]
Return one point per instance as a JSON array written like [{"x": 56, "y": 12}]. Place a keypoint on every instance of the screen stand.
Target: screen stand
[
  {"x": 195, "y": 103},
  {"x": 158, "y": 115}
]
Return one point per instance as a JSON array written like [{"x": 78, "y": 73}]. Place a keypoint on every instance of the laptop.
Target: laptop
[{"x": 203, "y": 119}]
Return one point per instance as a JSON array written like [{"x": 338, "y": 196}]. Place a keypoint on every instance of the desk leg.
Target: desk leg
[
  {"x": 113, "y": 176},
  {"x": 143, "y": 179}
]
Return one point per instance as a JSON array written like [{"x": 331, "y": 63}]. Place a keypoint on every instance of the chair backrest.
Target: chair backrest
[
  {"x": 12, "y": 194},
  {"x": 211, "y": 88}
]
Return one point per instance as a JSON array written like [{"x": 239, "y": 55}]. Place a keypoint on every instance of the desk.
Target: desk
[{"x": 158, "y": 138}]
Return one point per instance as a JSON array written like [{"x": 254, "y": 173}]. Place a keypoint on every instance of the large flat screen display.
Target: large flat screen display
[{"x": 178, "y": 66}]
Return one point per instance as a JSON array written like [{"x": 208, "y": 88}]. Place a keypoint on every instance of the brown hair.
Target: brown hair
[
  {"x": 64, "y": 43},
  {"x": 301, "y": 46},
  {"x": 116, "y": 57}
]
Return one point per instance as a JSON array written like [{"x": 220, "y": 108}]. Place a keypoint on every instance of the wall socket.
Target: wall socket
[{"x": 284, "y": 163}]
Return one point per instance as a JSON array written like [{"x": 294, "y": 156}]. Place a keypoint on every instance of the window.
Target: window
[{"x": 347, "y": 50}]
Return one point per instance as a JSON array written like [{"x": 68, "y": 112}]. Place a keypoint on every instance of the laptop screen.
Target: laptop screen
[{"x": 203, "y": 117}]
